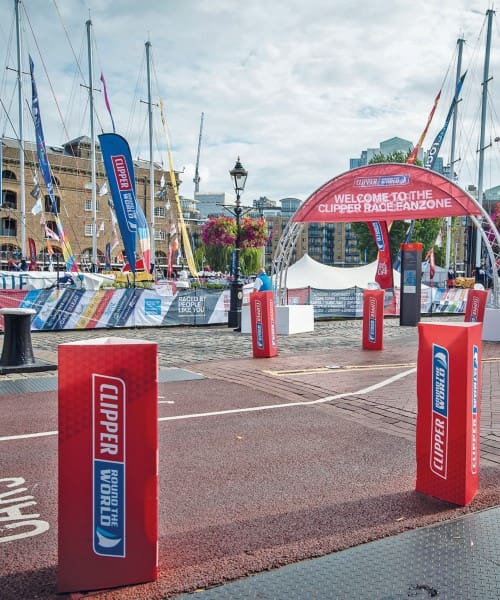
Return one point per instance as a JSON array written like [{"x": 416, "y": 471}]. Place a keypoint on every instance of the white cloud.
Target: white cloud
[{"x": 294, "y": 88}]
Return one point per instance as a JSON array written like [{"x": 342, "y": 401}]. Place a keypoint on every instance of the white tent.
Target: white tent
[{"x": 307, "y": 272}]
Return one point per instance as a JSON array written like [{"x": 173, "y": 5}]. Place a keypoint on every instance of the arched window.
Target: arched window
[
  {"x": 8, "y": 227},
  {"x": 11, "y": 248},
  {"x": 9, "y": 199},
  {"x": 8, "y": 174},
  {"x": 51, "y": 229},
  {"x": 48, "y": 204},
  {"x": 86, "y": 257}
]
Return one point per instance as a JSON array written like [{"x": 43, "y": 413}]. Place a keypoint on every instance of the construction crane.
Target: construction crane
[{"x": 197, "y": 178}]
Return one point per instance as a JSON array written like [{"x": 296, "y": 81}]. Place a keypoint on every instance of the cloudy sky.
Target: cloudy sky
[{"x": 294, "y": 88}]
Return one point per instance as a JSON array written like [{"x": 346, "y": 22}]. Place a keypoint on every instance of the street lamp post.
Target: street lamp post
[{"x": 239, "y": 176}]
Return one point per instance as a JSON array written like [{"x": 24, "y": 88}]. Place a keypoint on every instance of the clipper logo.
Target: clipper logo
[
  {"x": 474, "y": 310},
  {"x": 382, "y": 181},
  {"x": 372, "y": 319},
  {"x": 475, "y": 400},
  {"x": 259, "y": 324},
  {"x": 126, "y": 189},
  {"x": 439, "y": 426},
  {"x": 379, "y": 237},
  {"x": 109, "y": 451},
  {"x": 121, "y": 173},
  {"x": 273, "y": 322}
]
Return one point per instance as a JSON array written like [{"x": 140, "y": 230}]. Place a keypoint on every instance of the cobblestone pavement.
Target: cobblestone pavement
[{"x": 184, "y": 345}]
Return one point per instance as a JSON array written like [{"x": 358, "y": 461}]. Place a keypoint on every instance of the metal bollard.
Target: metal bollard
[{"x": 17, "y": 348}]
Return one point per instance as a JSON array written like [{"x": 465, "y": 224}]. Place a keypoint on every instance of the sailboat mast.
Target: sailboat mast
[
  {"x": 482, "y": 148},
  {"x": 460, "y": 43},
  {"x": 151, "y": 166},
  {"x": 197, "y": 177},
  {"x": 22, "y": 185},
  {"x": 92, "y": 149}
]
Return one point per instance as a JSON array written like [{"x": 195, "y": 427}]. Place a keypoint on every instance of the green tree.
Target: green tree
[{"x": 425, "y": 231}]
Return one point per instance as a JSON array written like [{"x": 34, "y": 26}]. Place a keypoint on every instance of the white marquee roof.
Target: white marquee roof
[{"x": 307, "y": 272}]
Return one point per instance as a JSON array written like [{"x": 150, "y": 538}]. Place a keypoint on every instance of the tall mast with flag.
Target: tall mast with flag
[
  {"x": 22, "y": 185},
  {"x": 92, "y": 148},
  {"x": 151, "y": 164},
  {"x": 71, "y": 264}
]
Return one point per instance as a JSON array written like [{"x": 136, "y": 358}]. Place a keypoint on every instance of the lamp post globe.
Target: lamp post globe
[{"x": 239, "y": 177}]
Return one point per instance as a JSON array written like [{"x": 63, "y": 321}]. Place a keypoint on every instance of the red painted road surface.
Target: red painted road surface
[{"x": 326, "y": 461}]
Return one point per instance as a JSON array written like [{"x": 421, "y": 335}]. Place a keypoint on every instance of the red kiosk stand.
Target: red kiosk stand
[
  {"x": 263, "y": 319},
  {"x": 476, "y": 305},
  {"x": 108, "y": 464},
  {"x": 448, "y": 417},
  {"x": 373, "y": 319}
]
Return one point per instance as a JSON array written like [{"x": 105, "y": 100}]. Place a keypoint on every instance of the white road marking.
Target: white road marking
[
  {"x": 233, "y": 411},
  {"x": 367, "y": 390}
]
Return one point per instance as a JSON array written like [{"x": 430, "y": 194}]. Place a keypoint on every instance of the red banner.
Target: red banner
[
  {"x": 32, "y": 266},
  {"x": 386, "y": 192},
  {"x": 380, "y": 233}
]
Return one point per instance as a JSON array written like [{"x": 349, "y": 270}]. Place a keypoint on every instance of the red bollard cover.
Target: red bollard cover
[
  {"x": 476, "y": 305},
  {"x": 263, "y": 318},
  {"x": 373, "y": 319},
  {"x": 448, "y": 417},
  {"x": 108, "y": 464}
]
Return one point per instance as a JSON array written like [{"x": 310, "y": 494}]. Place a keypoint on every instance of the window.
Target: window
[
  {"x": 8, "y": 174},
  {"x": 88, "y": 230},
  {"x": 159, "y": 211},
  {"x": 88, "y": 205},
  {"x": 48, "y": 204},
  {"x": 8, "y": 227},
  {"x": 9, "y": 199},
  {"x": 160, "y": 235}
]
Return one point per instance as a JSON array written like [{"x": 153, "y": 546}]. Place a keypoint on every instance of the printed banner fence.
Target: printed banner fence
[{"x": 71, "y": 308}]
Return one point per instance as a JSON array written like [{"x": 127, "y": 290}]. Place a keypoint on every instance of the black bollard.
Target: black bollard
[{"x": 17, "y": 348}]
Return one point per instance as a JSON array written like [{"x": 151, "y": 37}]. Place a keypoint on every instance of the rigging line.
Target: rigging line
[
  {"x": 101, "y": 70},
  {"x": 8, "y": 58},
  {"x": 66, "y": 133},
  {"x": 158, "y": 131},
  {"x": 58, "y": 191},
  {"x": 46, "y": 74},
  {"x": 75, "y": 87},
  {"x": 77, "y": 60},
  {"x": 136, "y": 97},
  {"x": 454, "y": 56},
  {"x": 142, "y": 130},
  {"x": 68, "y": 39},
  {"x": 25, "y": 151},
  {"x": 466, "y": 135}
]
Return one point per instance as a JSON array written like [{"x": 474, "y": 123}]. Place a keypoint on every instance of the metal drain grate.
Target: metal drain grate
[
  {"x": 28, "y": 385},
  {"x": 456, "y": 559}
]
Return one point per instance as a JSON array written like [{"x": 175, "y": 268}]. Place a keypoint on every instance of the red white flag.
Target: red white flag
[
  {"x": 380, "y": 233},
  {"x": 432, "y": 264},
  {"x": 51, "y": 234}
]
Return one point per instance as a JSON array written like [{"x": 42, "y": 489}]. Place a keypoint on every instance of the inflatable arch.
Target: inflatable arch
[{"x": 386, "y": 192}]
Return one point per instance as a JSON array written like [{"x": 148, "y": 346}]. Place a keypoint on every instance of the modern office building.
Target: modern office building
[
  {"x": 211, "y": 204},
  {"x": 386, "y": 147}
]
